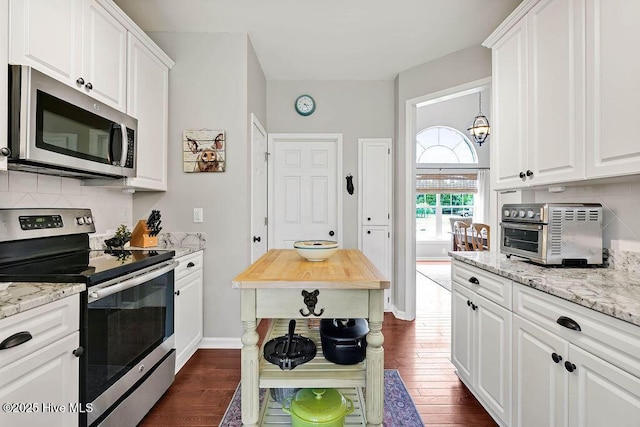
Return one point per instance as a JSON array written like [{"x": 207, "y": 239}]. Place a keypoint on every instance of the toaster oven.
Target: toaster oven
[{"x": 553, "y": 233}]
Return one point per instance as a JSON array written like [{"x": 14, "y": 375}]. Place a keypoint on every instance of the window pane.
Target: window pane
[
  {"x": 452, "y": 206},
  {"x": 442, "y": 144}
]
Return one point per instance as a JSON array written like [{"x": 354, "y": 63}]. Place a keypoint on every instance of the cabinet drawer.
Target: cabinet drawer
[
  {"x": 613, "y": 340},
  {"x": 188, "y": 264},
  {"x": 46, "y": 324},
  {"x": 289, "y": 303},
  {"x": 491, "y": 286}
]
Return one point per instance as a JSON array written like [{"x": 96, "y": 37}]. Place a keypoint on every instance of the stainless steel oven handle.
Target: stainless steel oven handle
[
  {"x": 521, "y": 226},
  {"x": 125, "y": 145},
  {"x": 134, "y": 281}
]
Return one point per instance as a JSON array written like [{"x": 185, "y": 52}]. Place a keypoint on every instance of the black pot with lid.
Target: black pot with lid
[{"x": 344, "y": 340}]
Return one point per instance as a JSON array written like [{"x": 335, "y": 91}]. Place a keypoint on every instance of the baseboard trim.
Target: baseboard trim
[
  {"x": 402, "y": 315},
  {"x": 220, "y": 343}
]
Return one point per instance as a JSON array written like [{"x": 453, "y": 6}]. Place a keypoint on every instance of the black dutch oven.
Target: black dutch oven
[{"x": 344, "y": 340}]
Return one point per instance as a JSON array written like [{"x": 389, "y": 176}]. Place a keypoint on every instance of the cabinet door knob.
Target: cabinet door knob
[
  {"x": 5, "y": 151},
  {"x": 256, "y": 239},
  {"x": 78, "y": 352},
  {"x": 89, "y": 86},
  {"x": 473, "y": 307},
  {"x": 368, "y": 231},
  {"x": 529, "y": 173},
  {"x": 177, "y": 293},
  {"x": 80, "y": 81},
  {"x": 468, "y": 303},
  {"x": 15, "y": 340},
  {"x": 521, "y": 175},
  {"x": 331, "y": 233},
  {"x": 568, "y": 323},
  {"x": 474, "y": 280},
  {"x": 556, "y": 357},
  {"x": 569, "y": 366},
  {"x": 368, "y": 218}
]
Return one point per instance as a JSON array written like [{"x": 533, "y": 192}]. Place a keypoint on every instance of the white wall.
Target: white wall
[
  {"x": 450, "y": 71},
  {"x": 208, "y": 88},
  {"x": 356, "y": 109},
  {"x": 110, "y": 207}
]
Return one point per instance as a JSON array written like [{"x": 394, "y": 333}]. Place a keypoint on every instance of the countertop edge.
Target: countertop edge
[{"x": 20, "y": 297}]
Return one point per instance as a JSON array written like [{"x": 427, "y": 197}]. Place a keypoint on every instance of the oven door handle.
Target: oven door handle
[
  {"x": 130, "y": 283},
  {"x": 521, "y": 226}
]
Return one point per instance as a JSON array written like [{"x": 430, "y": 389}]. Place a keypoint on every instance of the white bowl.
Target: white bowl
[{"x": 316, "y": 250}]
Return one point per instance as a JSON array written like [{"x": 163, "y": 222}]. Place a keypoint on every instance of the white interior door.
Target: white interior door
[
  {"x": 259, "y": 187},
  {"x": 304, "y": 201}
]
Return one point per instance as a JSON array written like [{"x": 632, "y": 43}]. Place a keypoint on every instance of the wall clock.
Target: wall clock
[{"x": 305, "y": 105}]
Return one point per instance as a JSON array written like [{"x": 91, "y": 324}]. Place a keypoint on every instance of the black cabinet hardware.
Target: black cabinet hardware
[
  {"x": 331, "y": 233},
  {"x": 568, "y": 323},
  {"x": 473, "y": 307},
  {"x": 310, "y": 299},
  {"x": 529, "y": 173},
  {"x": 78, "y": 352},
  {"x": 569, "y": 366},
  {"x": 522, "y": 175},
  {"x": 190, "y": 265},
  {"x": 15, "y": 340},
  {"x": 80, "y": 81},
  {"x": 368, "y": 231},
  {"x": 556, "y": 357},
  {"x": 177, "y": 293},
  {"x": 256, "y": 239},
  {"x": 474, "y": 280},
  {"x": 468, "y": 303},
  {"x": 368, "y": 218},
  {"x": 88, "y": 86}
]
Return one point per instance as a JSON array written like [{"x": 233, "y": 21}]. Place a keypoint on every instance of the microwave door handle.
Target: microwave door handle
[
  {"x": 521, "y": 226},
  {"x": 125, "y": 145},
  {"x": 135, "y": 281}
]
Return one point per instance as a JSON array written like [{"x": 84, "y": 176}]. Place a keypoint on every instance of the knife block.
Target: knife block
[{"x": 140, "y": 236}]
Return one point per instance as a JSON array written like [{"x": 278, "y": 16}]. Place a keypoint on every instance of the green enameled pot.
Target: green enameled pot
[{"x": 318, "y": 407}]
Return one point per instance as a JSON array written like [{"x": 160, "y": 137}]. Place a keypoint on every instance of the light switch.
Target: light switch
[{"x": 197, "y": 214}]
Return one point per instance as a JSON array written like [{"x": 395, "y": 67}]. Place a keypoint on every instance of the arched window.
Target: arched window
[{"x": 442, "y": 144}]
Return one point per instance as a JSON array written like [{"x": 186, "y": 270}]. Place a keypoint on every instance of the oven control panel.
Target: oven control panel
[{"x": 36, "y": 222}]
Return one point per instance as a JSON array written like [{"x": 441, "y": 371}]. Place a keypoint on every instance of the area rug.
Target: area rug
[
  {"x": 399, "y": 409},
  {"x": 439, "y": 273}
]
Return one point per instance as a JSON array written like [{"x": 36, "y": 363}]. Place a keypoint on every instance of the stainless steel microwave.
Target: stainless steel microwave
[
  {"x": 553, "y": 233},
  {"x": 56, "y": 129}
]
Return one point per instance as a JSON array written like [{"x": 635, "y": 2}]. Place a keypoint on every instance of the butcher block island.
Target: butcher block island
[{"x": 282, "y": 285}]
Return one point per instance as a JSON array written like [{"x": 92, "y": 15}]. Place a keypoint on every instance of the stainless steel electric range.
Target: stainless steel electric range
[{"x": 127, "y": 312}]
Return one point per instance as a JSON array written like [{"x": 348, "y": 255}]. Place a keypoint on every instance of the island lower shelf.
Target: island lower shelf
[
  {"x": 317, "y": 373},
  {"x": 273, "y": 415}
]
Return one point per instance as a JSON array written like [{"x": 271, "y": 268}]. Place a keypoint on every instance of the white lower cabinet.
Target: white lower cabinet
[
  {"x": 39, "y": 379},
  {"x": 481, "y": 349},
  {"x": 188, "y": 307}
]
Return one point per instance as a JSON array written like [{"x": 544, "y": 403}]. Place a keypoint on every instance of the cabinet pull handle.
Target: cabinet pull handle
[
  {"x": 556, "y": 357},
  {"x": 78, "y": 351},
  {"x": 474, "y": 280},
  {"x": 15, "y": 340},
  {"x": 190, "y": 265},
  {"x": 568, "y": 323},
  {"x": 569, "y": 366}
]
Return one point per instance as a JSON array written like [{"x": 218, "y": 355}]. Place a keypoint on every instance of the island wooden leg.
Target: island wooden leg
[
  {"x": 375, "y": 361},
  {"x": 249, "y": 374}
]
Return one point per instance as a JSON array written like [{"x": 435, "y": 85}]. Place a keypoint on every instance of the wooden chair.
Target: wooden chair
[
  {"x": 460, "y": 236},
  {"x": 479, "y": 234}
]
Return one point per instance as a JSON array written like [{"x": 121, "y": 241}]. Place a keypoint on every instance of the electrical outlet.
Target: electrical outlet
[{"x": 198, "y": 214}]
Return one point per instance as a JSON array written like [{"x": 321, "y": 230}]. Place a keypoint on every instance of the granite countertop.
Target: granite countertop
[
  {"x": 182, "y": 243},
  {"x": 19, "y": 297},
  {"x": 606, "y": 290}
]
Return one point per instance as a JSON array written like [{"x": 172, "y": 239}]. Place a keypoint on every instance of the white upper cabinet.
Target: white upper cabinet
[
  {"x": 613, "y": 87},
  {"x": 556, "y": 91},
  {"x": 509, "y": 133},
  {"x": 376, "y": 181},
  {"x": 538, "y": 83},
  {"x": 581, "y": 84},
  {"x": 148, "y": 101},
  {"x": 74, "y": 41}
]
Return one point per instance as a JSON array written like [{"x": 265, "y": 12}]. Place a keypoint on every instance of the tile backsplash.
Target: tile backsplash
[{"x": 110, "y": 207}]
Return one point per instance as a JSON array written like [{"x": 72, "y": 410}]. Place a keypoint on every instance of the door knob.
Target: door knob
[
  {"x": 331, "y": 233},
  {"x": 256, "y": 239}
]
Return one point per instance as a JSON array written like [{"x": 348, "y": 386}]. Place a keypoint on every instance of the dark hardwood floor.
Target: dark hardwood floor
[{"x": 419, "y": 350}]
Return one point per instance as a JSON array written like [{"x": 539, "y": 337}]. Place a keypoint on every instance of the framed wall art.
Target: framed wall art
[{"x": 204, "y": 150}]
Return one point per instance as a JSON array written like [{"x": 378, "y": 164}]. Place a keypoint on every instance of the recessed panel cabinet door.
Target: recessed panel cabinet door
[
  {"x": 376, "y": 182},
  {"x": 462, "y": 324},
  {"x": 148, "y": 101},
  {"x": 540, "y": 386},
  {"x": 613, "y": 87}
]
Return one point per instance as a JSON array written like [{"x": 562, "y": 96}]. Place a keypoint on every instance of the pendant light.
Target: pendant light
[{"x": 480, "y": 129}]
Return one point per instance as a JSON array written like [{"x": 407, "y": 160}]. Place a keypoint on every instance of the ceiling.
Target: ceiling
[{"x": 333, "y": 39}]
